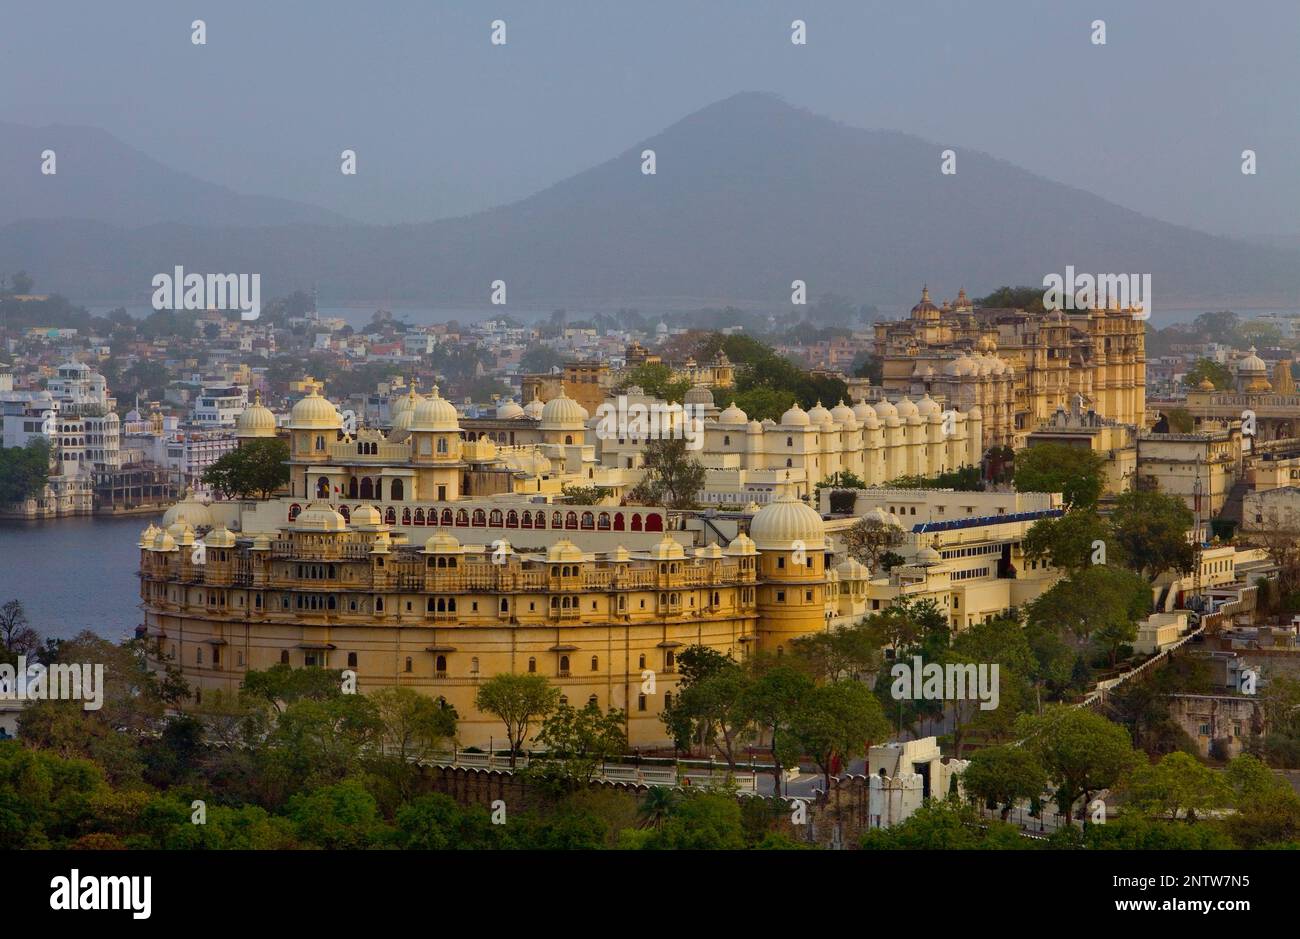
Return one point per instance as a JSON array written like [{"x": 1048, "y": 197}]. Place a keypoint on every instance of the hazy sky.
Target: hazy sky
[{"x": 445, "y": 123}]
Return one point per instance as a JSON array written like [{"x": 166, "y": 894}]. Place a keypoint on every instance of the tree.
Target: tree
[
  {"x": 655, "y": 379},
  {"x": 517, "y": 701},
  {"x": 282, "y": 685},
  {"x": 24, "y": 471},
  {"x": 837, "y": 721},
  {"x": 414, "y": 727},
  {"x": 869, "y": 539},
  {"x": 585, "y": 495},
  {"x": 773, "y": 699},
  {"x": 1098, "y": 602},
  {"x": 16, "y": 631},
  {"x": 1055, "y": 467},
  {"x": 1151, "y": 529},
  {"x": 1178, "y": 783},
  {"x": 711, "y": 704},
  {"x": 1070, "y": 542},
  {"x": 1081, "y": 751},
  {"x": 259, "y": 467},
  {"x": 672, "y": 476},
  {"x": 1003, "y": 776},
  {"x": 1218, "y": 374},
  {"x": 702, "y": 821},
  {"x": 540, "y": 359},
  {"x": 582, "y": 740}
]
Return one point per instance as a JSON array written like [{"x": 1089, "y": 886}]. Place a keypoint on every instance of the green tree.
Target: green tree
[
  {"x": 582, "y": 740},
  {"x": 517, "y": 701},
  {"x": 259, "y": 467},
  {"x": 1071, "y": 541},
  {"x": 1003, "y": 776},
  {"x": 837, "y": 720},
  {"x": 1100, "y": 602},
  {"x": 339, "y": 816},
  {"x": 1054, "y": 467},
  {"x": 24, "y": 471},
  {"x": 1219, "y": 375},
  {"x": 584, "y": 495},
  {"x": 1080, "y": 750},
  {"x": 1151, "y": 529},
  {"x": 869, "y": 539},
  {"x": 1178, "y": 783},
  {"x": 672, "y": 475}
]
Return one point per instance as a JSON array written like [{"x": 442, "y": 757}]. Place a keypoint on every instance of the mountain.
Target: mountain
[
  {"x": 750, "y": 193},
  {"x": 102, "y": 179}
]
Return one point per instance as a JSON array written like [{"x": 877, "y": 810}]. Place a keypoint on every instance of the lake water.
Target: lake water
[{"x": 73, "y": 574}]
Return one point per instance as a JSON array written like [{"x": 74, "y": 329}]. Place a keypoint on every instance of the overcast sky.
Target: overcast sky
[{"x": 445, "y": 123}]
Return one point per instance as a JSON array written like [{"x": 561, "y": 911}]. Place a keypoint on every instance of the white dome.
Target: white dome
[
  {"x": 796, "y": 416},
  {"x": 563, "y": 413},
  {"x": 906, "y": 408},
  {"x": 779, "y": 524},
  {"x": 843, "y": 414},
  {"x": 927, "y": 407},
  {"x": 862, "y": 411},
  {"x": 534, "y": 408},
  {"x": 885, "y": 410},
  {"x": 189, "y": 511},
  {"x": 435, "y": 413},
  {"x": 1252, "y": 363},
  {"x": 509, "y": 410},
  {"x": 319, "y": 517},
  {"x": 256, "y": 420},
  {"x": 314, "y": 413},
  {"x": 818, "y": 415},
  {"x": 732, "y": 415}
]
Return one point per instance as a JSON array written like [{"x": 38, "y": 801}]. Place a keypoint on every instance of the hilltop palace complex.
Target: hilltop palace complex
[{"x": 438, "y": 551}]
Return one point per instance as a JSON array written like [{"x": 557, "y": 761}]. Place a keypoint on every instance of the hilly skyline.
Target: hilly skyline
[{"x": 750, "y": 193}]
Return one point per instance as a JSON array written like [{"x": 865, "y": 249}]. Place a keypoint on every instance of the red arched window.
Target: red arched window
[
  {"x": 527, "y": 521},
  {"x": 446, "y": 517},
  {"x": 636, "y": 521},
  {"x": 390, "y": 516},
  {"x": 494, "y": 518},
  {"x": 512, "y": 519},
  {"x": 588, "y": 521},
  {"x": 539, "y": 519},
  {"x": 557, "y": 520},
  {"x": 347, "y": 515},
  {"x": 462, "y": 518},
  {"x": 294, "y": 510},
  {"x": 480, "y": 518},
  {"x": 571, "y": 520},
  {"x": 406, "y": 516},
  {"x": 419, "y": 516},
  {"x": 602, "y": 521},
  {"x": 618, "y": 521},
  {"x": 654, "y": 522}
]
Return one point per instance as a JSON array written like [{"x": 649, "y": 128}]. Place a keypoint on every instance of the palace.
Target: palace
[
  {"x": 421, "y": 558},
  {"x": 1018, "y": 368}
]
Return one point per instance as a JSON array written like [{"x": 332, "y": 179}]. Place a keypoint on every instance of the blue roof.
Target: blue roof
[{"x": 983, "y": 520}]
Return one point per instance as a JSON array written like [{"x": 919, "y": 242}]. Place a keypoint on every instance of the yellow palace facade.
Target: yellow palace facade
[{"x": 441, "y": 617}]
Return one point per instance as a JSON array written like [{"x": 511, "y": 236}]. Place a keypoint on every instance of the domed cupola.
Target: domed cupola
[
  {"x": 818, "y": 415},
  {"x": 435, "y": 414},
  {"x": 732, "y": 415},
  {"x": 509, "y": 410},
  {"x": 778, "y": 525},
  {"x": 796, "y": 417},
  {"x": 563, "y": 413},
  {"x": 254, "y": 421},
  {"x": 315, "y": 413}
]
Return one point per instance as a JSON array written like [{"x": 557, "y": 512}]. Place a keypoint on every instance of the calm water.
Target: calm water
[{"x": 73, "y": 574}]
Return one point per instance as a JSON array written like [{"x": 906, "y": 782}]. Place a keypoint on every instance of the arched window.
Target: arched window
[
  {"x": 473, "y": 665},
  {"x": 367, "y": 488},
  {"x": 406, "y": 516},
  {"x": 379, "y": 604},
  {"x": 284, "y": 656},
  {"x": 539, "y": 519},
  {"x": 636, "y": 521},
  {"x": 480, "y": 518},
  {"x": 564, "y": 663},
  {"x": 602, "y": 521},
  {"x": 526, "y": 520},
  {"x": 419, "y": 516},
  {"x": 789, "y": 463},
  {"x": 595, "y": 663},
  {"x": 390, "y": 517},
  {"x": 446, "y": 516},
  {"x": 789, "y": 441},
  {"x": 588, "y": 521},
  {"x": 346, "y": 513},
  {"x": 494, "y": 518},
  {"x": 670, "y": 659},
  {"x": 532, "y": 665},
  {"x": 441, "y": 663},
  {"x": 571, "y": 520},
  {"x": 294, "y": 510},
  {"x": 568, "y": 439},
  {"x": 410, "y": 665},
  {"x": 512, "y": 519},
  {"x": 557, "y": 519},
  {"x": 396, "y": 490},
  {"x": 726, "y": 440},
  {"x": 618, "y": 521},
  {"x": 352, "y": 488},
  {"x": 593, "y": 701},
  {"x": 352, "y": 660},
  {"x": 462, "y": 518},
  {"x": 654, "y": 522}
]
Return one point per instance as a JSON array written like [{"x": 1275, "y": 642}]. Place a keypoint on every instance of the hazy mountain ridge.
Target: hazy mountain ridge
[{"x": 750, "y": 194}]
